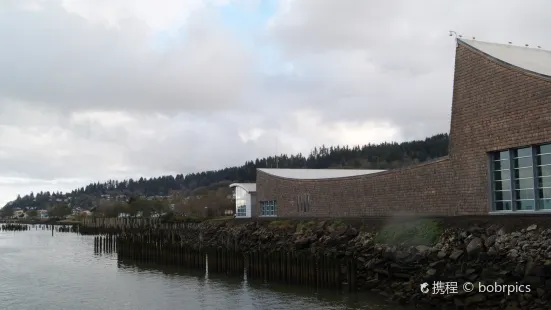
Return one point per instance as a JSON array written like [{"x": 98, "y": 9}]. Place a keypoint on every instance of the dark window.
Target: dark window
[
  {"x": 521, "y": 179},
  {"x": 268, "y": 208}
]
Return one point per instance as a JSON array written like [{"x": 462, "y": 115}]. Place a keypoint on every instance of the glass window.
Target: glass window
[
  {"x": 545, "y": 204},
  {"x": 544, "y": 193},
  {"x": 501, "y": 155},
  {"x": 544, "y": 171},
  {"x": 523, "y": 183},
  {"x": 525, "y": 152},
  {"x": 544, "y": 149},
  {"x": 526, "y": 205},
  {"x": 503, "y": 195},
  {"x": 502, "y": 175},
  {"x": 543, "y": 160},
  {"x": 240, "y": 193},
  {"x": 544, "y": 181},
  {"x": 501, "y": 165},
  {"x": 242, "y": 210},
  {"x": 502, "y": 206},
  {"x": 525, "y": 194},
  {"x": 524, "y": 173},
  {"x": 523, "y": 162},
  {"x": 502, "y": 185},
  {"x": 268, "y": 208}
]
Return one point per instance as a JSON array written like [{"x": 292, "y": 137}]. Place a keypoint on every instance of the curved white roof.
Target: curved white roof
[
  {"x": 249, "y": 187},
  {"x": 532, "y": 59},
  {"x": 313, "y": 174}
]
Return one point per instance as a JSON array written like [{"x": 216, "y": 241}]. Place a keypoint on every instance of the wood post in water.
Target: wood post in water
[{"x": 150, "y": 240}]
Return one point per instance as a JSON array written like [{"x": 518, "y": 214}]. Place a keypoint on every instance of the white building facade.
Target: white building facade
[{"x": 245, "y": 199}]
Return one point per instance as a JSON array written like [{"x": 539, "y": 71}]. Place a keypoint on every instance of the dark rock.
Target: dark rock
[
  {"x": 475, "y": 246},
  {"x": 431, "y": 272},
  {"x": 490, "y": 241},
  {"x": 456, "y": 254},
  {"x": 442, "y": 254},
  {"x": 475, "y": 299}
]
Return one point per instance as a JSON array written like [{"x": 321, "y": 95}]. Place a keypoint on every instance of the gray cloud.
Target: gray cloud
[
  {"x": 57, "y": 58},
  {"x": 81, "y": 100},
  {"x": 394, "y": 60}
]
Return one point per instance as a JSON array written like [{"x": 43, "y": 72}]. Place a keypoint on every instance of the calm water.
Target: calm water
[{"x": 38, "y": 271}]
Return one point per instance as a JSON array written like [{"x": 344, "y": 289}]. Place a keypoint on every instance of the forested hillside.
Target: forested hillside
[{"x": 371, "y": 156}]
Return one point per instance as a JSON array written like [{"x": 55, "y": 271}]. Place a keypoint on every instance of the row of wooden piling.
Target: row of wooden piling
[
  {"x": 14, "y": 227},
  {"x": 321, "y": 271},
  {"x": 105, "y": 244},
  {"x": 27, "y": 227},
  {"x": 98, "y": 225},
  {"x": 307, "y": 269}
]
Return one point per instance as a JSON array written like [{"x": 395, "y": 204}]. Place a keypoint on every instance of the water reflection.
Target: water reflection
[
  {"x": 41, "y": 271},
  {"x": 262, "y": 292}
]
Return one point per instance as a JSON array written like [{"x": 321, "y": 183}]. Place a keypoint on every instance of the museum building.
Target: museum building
[{"x": 499, "y": 158}]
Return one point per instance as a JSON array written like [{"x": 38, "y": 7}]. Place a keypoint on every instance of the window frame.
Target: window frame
[
  {"x": 268, "y": 208},
  {"x": 538, "y": 201}
]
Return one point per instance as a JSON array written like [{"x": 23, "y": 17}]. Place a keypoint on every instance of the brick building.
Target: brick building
[{"x": 499, "y": 155}]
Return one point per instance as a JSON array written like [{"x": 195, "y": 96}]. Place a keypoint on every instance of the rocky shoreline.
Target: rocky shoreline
[{"x": 480, "y": 254}]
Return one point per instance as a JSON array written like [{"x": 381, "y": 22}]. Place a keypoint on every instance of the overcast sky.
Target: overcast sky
[{"x": 100, "y": 89}]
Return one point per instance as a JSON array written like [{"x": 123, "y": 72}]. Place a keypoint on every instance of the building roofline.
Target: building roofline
[
  {"x": 503, "y": 62},
  {"x": 368, "y": 175},
  {"x": 249, "y": 187},
  {"x": 348, "y": 173}
]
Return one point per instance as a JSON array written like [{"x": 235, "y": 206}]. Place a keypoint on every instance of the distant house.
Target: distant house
[
  {"x": 43, "y": 214},
  {"x": 19, "y": 213}
]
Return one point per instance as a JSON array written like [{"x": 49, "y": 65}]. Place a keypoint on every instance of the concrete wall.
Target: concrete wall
[{"x": 495, "y": 107}]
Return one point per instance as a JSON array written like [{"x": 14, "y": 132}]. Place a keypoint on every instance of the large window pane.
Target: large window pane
[
  {"x": 240, "y": 193},
  {"x": 501, "y": 165},
  {"x": 544, "y": 149},
  {"x": 523, "y": 162},
  {"x": 545, "y": 204},
  {"x": 525, "y": 194},
  {"x": 502, "y": 175},
  {"x": 523, "y": 173},
  {"x": 502, "y": 206},
  {"x": 502, "y": 185},
  {"x": 544, "y": 170},
  {"x": 526, "y": 205},
  {"x": 501, "y": 155},
  {"x": 523, "y": 152},
  {"x": 503, "y": 195},
  {"x": 544, "y": 181},
  {"x": 523, "y": 183},
  {"x": 544, "y": 193},
  {"x": 543, "y": 159}
]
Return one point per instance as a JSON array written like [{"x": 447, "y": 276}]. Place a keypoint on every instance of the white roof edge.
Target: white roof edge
[
  {"x": 534, "y": 60},
  {"x": 317, "y": 174},
  {"x": 249, "y": 187}
]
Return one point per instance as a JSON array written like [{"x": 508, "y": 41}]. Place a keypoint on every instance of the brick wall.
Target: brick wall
[
  {"x": 421, "y": 189},
  {"x": 495, "y": 107}
]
